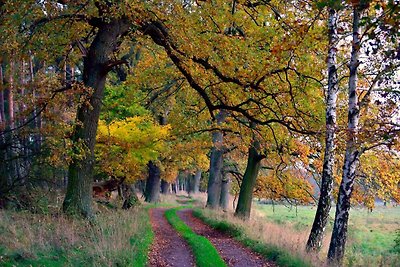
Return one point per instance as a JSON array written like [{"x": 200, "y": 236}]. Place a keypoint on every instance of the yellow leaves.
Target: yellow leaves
[
  {"x": 125, "y": 147},
  {"x": 380, "y": 175}
]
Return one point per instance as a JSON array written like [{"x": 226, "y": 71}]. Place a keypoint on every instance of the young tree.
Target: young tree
[
  {"x": 358, "y": 137},
  {"x": 324, "y": 202}
]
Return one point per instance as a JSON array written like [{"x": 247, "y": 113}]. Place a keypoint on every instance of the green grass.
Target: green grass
[
  {"x": 271, "y": 252},
  {"x": 371, "y": 235},
  {"x": 141, "y": 243},
  {"x": 117, "y": 238},
  {"x": 204, "y": 252}
]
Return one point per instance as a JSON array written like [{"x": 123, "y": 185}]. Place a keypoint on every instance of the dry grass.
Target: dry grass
[
  {"x": 107, "y": 240},
  {"x": 282, "y": 236}
]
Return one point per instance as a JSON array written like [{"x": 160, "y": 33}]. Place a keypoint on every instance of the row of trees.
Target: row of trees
[{"x": 242, "y": 89}]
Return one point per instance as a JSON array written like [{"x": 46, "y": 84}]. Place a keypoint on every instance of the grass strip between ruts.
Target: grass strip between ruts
[
  {"x": 204, "y": 252},
  {"x": 276, "y": 254}
]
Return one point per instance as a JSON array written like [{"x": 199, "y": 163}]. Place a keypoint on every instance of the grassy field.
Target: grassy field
[{"x": 371, "y": 234}]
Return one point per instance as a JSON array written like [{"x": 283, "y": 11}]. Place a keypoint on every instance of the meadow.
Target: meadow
[{"x": 371, "y": 234}]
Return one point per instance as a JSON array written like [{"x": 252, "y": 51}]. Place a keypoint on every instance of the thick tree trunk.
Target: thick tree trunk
[
  {"x": 216, "y": 165},
  {"x": 324, "y": 203},
  {"x": 196, "y": 182},
  {"x": 174, "y": 188},
  {"x": 189, "y": 183},
  {"x": 152, "y": 193},
  {"x": 78, "y": 199},
  {"x": 224, "y": 198},
  {"x": 339, "y": 234},
  {"x": 243, "y": 207},
  {"x": 165, "y": 187},
  {"x": 153, "y": 183}
]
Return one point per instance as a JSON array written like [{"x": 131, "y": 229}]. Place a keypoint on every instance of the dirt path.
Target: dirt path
[
  {"x": 233, "y": 253},
  {"x": 168, "y": 248}
]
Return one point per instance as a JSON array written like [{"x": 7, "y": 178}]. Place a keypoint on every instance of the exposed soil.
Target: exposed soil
[
  {"x": 233, "y": 253},
  {"x": 168, "y": 248}
]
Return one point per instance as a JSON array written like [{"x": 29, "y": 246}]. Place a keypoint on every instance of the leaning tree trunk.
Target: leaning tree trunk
[
  {"x": 339, "y": 234},
  {"x": 243, "y": 207},
  {"x": 216, "y": 165},
  {"x": 78, "y": 199},
  {"x": 324, "y": 203},
  {"x": 152, "y": 193}
]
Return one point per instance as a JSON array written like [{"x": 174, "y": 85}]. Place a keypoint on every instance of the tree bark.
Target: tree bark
[
  {"x": 129, "y": 195},
  {"x": 78, "y": 199},
  {"x": 165, "y": 187},
  {"x": 152, "y": 193},
  {"x": 224, "y": 199},
  {"x": 243, "y": 207},
  {"x": 216, "y": 165},
  {"x": 3, "y": 154},
  {"x": 153, "y": 183},
  {"x": 12, "y": 168},
  {"x": 339, "y": 234},
  {"x": 196, "y": 182},
  {"x": 2, "y": 111},
  {"x": 324, "y": 203}
]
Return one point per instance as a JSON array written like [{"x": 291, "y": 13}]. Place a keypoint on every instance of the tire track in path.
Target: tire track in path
[
  {"x": 168, "y": 248},
  {"x": 233, "y": 253}
]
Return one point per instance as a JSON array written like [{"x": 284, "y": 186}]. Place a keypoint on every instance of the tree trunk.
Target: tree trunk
[
  {"x": 153, "y": 183},
  {"x": 243, "y": 207},
  {"x": 216, "y": 165},
  {"x": 189, "y": 183},
  {"x": 174, "y": 188},
  {"x": 165, "y": 187},
  {"x": 152, "y": 193},
  {"x": 3, "y": 154},
  {"x": 130, "y": 198},
  {"x": 78, "y": 199},
  {"x": 2, "y": 110},
  {"x": 196, "y": 182},
  {"x": 339, "y": 234},
  {"x": 12, "y": 168},
  {"x": 224, "y": 199},
  {"x": 324, "y": 203}
]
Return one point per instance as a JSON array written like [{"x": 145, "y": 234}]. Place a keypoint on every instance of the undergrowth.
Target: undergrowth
[
  {"x": 204, "y": 252},
  {"x": 114, "y": 238}
]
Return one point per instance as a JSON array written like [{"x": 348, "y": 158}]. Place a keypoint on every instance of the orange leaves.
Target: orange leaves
[{"x": 289, "y": 184}]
